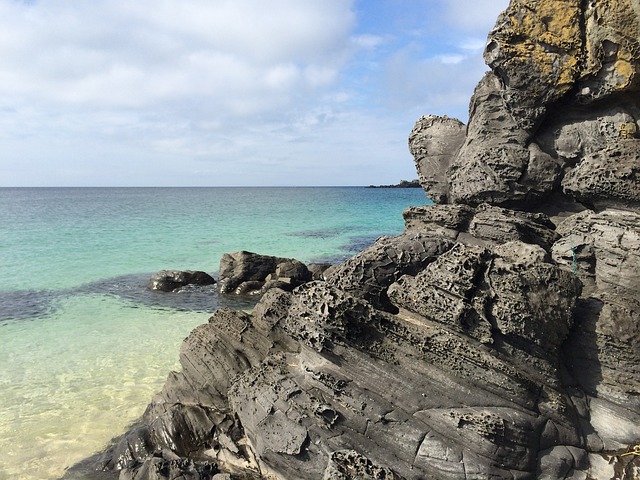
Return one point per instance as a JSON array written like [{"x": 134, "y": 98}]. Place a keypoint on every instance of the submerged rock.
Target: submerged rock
[{"x": 171, "y": 280}]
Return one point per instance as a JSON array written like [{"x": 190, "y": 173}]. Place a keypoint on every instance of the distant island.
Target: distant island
[{"x": 403, "y": 184}]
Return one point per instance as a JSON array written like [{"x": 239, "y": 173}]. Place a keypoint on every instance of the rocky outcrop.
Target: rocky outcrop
[
  {"x": 434, "y": 142},
  {"x": 172, "y": 280},
  {"x": 247, "y": 273},
  {"x": 558, "y": 113},
  {"x": 497, "y": 337},
  {"x": 318, "y": 376}
]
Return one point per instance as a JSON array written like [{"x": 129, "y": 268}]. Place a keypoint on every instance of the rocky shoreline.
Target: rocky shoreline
[{"x": 497, "y": 337}]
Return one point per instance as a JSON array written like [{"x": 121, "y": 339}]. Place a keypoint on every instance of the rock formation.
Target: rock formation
[
  {"x": 171, "y": 280},
  {"x": 497, "y": 337},
  {"x": 247, "y": 273}
]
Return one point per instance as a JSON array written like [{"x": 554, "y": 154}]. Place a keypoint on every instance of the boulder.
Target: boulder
[
  {"x": 369, "y": 273},
  {"x": 434, "y": 142},
  {"x": 171, "y": 280},
  {"x": 247, "y": 273}
]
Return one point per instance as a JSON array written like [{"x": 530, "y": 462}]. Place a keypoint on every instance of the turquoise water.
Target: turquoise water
[{"x": 83, "y": 344}]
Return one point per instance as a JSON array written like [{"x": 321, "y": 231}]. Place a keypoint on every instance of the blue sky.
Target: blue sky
[{"x": 229, "y": 92}]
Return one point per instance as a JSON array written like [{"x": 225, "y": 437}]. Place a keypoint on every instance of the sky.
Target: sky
[{"x": 229, "y": 92}]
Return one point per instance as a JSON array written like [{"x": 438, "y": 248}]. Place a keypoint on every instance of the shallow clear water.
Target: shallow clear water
[{"x": 83, "y": 344}]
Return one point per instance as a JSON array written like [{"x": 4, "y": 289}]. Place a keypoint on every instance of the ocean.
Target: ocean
[{"x": 84, "y": 345}]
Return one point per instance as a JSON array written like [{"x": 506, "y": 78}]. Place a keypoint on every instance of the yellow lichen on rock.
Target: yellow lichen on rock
[
  {"x": 612, "y": 45},
  {"x": 625, "y": 72},
  {"x": 536, "y": 47}
]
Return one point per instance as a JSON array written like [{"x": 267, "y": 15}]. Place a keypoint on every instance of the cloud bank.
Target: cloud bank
[{"x": 238, "y": 92}]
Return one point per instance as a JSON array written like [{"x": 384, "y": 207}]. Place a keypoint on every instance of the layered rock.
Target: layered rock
[
  {"x": 318, "y": 382},
  {"x": 497, "y": 337}
]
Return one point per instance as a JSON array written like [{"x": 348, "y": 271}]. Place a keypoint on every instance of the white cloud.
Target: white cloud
[
  {"x": 368, "y": 41},
  {"x": 228, "y": 91},
  {"x": 134, "y": 54},
  {"x": 438, "y": 70},
  {"x": 451, "y": 58},
  {"x": 438, "y": 85},
  {"x": 473, "y": 16}
]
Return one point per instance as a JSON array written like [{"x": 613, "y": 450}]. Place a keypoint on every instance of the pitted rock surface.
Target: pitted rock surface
[{"x": 558, "y": 113}]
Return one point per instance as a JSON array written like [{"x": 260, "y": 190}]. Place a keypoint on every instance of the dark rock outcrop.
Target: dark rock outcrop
[
  {"x": 171, "y": 280},
  {"x": 497, "y": 337},
  {"x": 558, "y": 113},
  {"x": 247, "y": 273}
]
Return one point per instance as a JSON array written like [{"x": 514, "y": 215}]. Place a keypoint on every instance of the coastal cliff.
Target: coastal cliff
[{"x": 497, "y": 337}]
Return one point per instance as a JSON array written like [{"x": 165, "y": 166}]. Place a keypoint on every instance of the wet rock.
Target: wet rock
[
  {"x": 247, "y": 273},
  {"x": 171, "y": 280}
]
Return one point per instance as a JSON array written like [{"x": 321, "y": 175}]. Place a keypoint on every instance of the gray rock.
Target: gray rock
[
  {"x": 434, "y": 142},
  {"x": 171, "y": 280},
  {"x": 494, "y": 156},
  {"x": 529, "y": 136},
  {"x": 603, "y": 250},
  {"x": 535, "y": 51},
  {"x": 317, "y": 270},
  {"x": 608, "y": 178},
  {"x": 245, "y": 273},
  {"x": 370, "y": 272}
]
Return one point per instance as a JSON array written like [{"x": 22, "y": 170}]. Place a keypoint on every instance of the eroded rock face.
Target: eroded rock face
[
  {"x": 434, "y": 142},
  {"x": 558, "y": 113},
  {"x": 604, "y": 251},
  {"x": 369, "y": 273}
]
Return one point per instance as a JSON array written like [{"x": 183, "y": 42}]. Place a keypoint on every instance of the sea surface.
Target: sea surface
[{"x": 84, "y": 345}]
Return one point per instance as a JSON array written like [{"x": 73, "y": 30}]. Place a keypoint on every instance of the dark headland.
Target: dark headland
[
  {"x": 496, "y": 338},
  {"x": 403, "y": 184}
]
